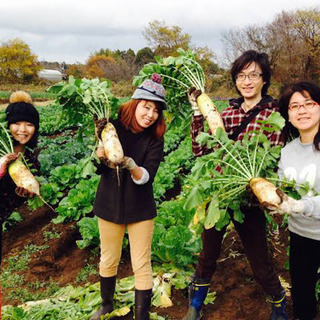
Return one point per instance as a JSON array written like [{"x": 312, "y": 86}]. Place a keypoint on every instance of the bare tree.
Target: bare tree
[
  {"x": 307, "y": 25},
  {"x": 291, "y": 40}
]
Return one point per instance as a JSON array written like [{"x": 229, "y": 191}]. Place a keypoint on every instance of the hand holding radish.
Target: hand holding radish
[
  {"x": 193, "y": 94},
  {"x": 288, "y": 205},
  {"x": 202, "y": 104},
  {"x": 128, "y": 163},
  {"x": 24, "y": 193},
  {"x": 5, "y": 161},
  {"x": 99, "y": 126}
]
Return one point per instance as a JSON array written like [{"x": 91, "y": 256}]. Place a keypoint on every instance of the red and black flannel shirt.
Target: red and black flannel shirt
[{"x": 232, "y": 117}]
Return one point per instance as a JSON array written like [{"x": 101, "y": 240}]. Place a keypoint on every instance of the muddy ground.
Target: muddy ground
[{"x": 238, "y": 296}]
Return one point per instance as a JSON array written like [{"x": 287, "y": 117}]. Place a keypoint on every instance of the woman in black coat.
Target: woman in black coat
[
  {"x": 126, "y": 201},
  {"x": 23, "y": 122}
]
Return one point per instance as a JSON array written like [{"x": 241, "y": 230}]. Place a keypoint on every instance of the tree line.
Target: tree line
[{"x": 292, "y": 41}]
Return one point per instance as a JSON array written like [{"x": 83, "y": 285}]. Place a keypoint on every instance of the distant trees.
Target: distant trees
[
  {"x": 17, "y": 63},
  {"x": 292, "y": 41},
  {"x": 115, "y": 65},
  {"x": 144, "y": 55},
  {"x": 164, "y": 39}
]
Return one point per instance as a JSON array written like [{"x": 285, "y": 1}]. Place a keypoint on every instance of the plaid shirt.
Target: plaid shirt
[{"x": 232, "y": 117}]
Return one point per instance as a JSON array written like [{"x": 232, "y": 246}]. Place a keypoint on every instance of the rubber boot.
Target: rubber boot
[
  {"x": 198, "y": 290},
  {"x": 107, "y": 287},
  {"x": 142, "y": 303},
  {"x": 278, "y": 306}
]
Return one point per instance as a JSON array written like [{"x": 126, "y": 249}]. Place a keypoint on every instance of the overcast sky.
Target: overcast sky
[{"x": 69, "y": 30}]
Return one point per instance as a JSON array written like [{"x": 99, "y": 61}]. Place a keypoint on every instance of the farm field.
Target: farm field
[
  {"x": 42, "y": 254},
  {"x": 50, "y": 267},
  {"x": 62, "y": 263}
]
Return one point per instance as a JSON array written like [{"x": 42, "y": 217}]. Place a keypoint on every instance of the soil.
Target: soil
[{"x": 239, "y": 297}]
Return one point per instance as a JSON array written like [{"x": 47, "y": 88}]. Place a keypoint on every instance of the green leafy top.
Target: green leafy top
[
  {"x": 79, "y": 97},
  {"x": 178, "y": 74},
  {"x": 213, "y": 192},
  {"x": 6, "y": 145}
]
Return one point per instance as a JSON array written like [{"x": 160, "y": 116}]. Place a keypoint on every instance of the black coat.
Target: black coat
[{"x": 129, "y": 202}]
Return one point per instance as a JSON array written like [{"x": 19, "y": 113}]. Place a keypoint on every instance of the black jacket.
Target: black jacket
[{"x": 129, "y": 202}]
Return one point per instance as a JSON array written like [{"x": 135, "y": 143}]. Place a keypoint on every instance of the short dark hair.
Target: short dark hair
[
  {"x": 245, "y": 60},
  {"x": 313, "y": 89}
]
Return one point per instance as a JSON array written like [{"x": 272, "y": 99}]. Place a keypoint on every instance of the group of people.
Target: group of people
[
  {"x": 299, "y": 104},
  {"x": 130, "y": 205}
]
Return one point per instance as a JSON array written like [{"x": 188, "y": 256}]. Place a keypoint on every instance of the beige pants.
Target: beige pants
[{"x": 140, "y": 236}]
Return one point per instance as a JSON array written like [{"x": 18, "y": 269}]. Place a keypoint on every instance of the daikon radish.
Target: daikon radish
[
  {"x": 210, "y": 112},
  {"x": 111, "y": 144},
  {"x": 265, "y": 191}
]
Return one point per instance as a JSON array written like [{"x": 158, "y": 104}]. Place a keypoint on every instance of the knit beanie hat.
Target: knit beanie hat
[
  {"x": 22, "y": 109},
  {"x": 152, "y": 90}
]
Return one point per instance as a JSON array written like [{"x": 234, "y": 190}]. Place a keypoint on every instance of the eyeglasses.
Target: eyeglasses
[
  {"x": 307, "y": 105},
  {"x": 251, "y": 76}
]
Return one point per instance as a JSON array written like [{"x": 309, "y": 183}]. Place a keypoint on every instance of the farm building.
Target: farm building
[{"x": 50, "y": 75}]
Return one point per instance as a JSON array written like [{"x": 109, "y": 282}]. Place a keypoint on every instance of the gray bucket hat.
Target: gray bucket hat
[{"x": 152, "y": 90}]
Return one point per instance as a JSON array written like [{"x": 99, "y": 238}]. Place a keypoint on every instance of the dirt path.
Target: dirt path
[{"x": 239, "y": 297}]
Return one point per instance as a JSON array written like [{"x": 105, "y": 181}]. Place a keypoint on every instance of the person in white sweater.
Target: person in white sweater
[{"x": 300, "y": 161}]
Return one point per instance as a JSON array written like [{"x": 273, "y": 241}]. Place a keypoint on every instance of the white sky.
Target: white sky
[{"x": 70, "y": 30}]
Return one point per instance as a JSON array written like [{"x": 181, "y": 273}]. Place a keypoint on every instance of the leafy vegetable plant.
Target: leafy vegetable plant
[
  {"x": 214, "y": 192},
  {"x": 180, "y": 74}
]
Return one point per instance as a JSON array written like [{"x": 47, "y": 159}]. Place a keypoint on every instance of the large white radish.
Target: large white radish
[
  {"x": 210, "y": 112},
  {"x": 111, "y": 144},
  {"x": 22, "y": 177},
  {"x": 265, "y": 191}
]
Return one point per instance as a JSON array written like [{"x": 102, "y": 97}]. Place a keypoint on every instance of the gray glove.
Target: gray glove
[{"x": 128, "y": 163}]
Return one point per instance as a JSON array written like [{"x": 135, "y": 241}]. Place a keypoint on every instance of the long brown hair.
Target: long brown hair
[{"x": 127, "y": 116}]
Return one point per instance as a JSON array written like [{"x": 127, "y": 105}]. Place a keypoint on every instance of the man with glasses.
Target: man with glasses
[{"x": 251, "y": 76}]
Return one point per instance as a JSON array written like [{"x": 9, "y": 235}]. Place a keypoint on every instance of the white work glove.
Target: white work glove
[
  {"x": 128, "y": 163},
  {"x": 288, "y": 205},
  {"x": 193, "y": 94}
]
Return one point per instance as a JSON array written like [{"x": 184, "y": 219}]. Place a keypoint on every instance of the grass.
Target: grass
[
  {"x": 48, "y": 235},
  {"x": 34, "y": 95},
  {"x": 86, "y": 272},
  {"x": 12, "y": 278},
  {"x": 36, "y": 91},
  {"x": 24, "y": 294},
  {"x": 20, "y": 262}
]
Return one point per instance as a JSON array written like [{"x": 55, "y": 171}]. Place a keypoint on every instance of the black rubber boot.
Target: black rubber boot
[
  {"x": 107, "y": 287},
  {"x": 142, "y": 303},
  {"x": 278, "y": 306},
  {"x": 198, "y": 290}
]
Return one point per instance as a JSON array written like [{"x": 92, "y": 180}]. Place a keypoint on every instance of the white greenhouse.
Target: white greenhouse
[{"x": 50, "y": 75}]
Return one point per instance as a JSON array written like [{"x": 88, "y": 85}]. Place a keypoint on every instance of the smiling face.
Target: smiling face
[
  {"x": 22, "y": 131},
  {"x": 305, "y": 120},
  {"x": 146, "y": 113},
  {"x": 251, "y": 89}
]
